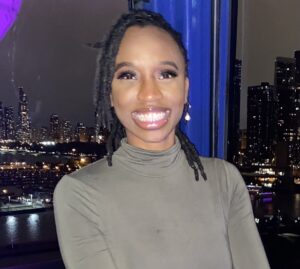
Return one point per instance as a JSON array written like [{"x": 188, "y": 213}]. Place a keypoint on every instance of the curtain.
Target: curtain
[{"x": 205, "y": 27}]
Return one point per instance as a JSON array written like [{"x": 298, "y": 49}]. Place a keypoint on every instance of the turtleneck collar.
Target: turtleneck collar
[{"x": 149, "y": 163}]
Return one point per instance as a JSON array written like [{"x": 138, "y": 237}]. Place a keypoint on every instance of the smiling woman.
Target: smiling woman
[
  {"x": 149, "y": 87},
  {"x": 142, "y": 207}
]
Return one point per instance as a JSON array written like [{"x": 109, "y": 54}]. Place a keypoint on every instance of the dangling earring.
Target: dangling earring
[{"x": 187, "y": 115}]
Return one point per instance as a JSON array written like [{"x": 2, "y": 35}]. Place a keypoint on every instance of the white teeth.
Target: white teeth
[{"x": 150, "y": 116}]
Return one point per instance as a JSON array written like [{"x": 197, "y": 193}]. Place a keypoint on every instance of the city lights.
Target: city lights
[
  {"x": 21, "y": 130},
  {"x": 29, "y": 185},
  {"x": 269, "y": 150}
]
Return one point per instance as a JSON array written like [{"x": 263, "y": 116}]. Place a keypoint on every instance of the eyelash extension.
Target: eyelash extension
[
  {"x": 169, "y": 72},
  {"x": 123, "y": 74}
]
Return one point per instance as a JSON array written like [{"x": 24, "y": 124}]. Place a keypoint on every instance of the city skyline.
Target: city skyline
[
  {"x": 273, "y": 121},
  {"x": 17, "y": 126},
  {"x": 15, "y": 110},
  {"x": 266, "y": 30},
  {"x": 45, "y": 53}
]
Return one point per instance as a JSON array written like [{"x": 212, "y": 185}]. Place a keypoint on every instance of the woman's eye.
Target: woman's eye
[
  {"x": 167, "y": 74},
  {"x": 126, "y": 75}
]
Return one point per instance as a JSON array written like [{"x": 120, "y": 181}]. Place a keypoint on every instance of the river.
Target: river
[
  {"x": 27, "y": 228},
  {"x": 40, "y": 227},
  {"x": 31, "y": 158}
]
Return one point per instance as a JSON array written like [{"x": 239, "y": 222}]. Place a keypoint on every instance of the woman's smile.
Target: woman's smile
[
  {"x": 149, "y": 87},
  {"x": 151, "y": 118}
]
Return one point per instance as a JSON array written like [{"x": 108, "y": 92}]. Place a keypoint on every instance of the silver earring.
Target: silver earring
[{"x": 187, "y": 115}]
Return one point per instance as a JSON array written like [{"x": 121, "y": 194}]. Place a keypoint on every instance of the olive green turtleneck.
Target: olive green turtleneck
[{"x": 148, "y": 212}]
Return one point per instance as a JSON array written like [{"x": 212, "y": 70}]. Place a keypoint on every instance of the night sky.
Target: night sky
[
  {"x": 267, "y": 29},
  {"x": 45, "y": 53}
]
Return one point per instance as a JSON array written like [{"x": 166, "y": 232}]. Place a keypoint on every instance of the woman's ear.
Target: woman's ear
[
  {"x": 111, "y": 100},
  {"x": 186, "y": 89}
]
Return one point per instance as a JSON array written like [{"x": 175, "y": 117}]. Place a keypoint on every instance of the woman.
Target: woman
[{"x": 153, "y": 203}]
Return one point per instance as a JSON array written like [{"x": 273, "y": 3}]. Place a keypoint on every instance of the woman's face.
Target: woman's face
[{"x": 149, "y": 87}]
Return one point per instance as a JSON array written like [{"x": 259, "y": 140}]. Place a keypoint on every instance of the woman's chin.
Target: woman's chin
[{"x": 152, "y": 139}]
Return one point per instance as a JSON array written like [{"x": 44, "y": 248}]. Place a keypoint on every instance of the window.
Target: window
[{"x": 47, "y": 125}]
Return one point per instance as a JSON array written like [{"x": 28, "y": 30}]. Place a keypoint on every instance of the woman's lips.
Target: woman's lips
[{"x": 151, "y": 118}]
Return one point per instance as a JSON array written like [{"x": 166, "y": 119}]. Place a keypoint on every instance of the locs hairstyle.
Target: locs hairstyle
[{"x": 105, "y": 115}]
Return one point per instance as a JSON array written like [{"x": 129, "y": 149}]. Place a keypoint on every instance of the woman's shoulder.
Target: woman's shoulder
[
  {"x": 226, "y": 182},
  {"x": 91, "y": 171},
  {"x": 80, "y": 193},
  {"x": 91, "y": 176},
  {"x": 222, "y": 173},
  {"x": 219, "y": 165}
]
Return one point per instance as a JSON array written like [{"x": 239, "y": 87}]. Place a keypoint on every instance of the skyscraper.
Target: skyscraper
[
  {"x": 81, "y": 132},
  {"x": 234, "y": 113},
  {"x": 285, "y": 72},
  {"x": 66, "y": 131},
  {"x": 9, "y": 123},
  {"x": 23, "y": 126},
  {"x": 297, "y": 58},
  {"x": 261, "y": 124},
  {"x": 297, "y": 108},
  {"x": 285, "y": 80},
  {"x": 54, "y": 130},
  {"x": 44, "y": 133},
  {"x": 2, "y": 125}
]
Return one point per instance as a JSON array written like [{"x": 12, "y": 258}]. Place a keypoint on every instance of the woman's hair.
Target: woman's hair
[{"x": 105, "y": 116}]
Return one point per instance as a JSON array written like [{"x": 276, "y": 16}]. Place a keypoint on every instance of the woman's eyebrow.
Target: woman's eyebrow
[
  {"x": 170, "y": 63},
  {"x": 128, "y": 64},
  {"x": 122, "y": 64}
]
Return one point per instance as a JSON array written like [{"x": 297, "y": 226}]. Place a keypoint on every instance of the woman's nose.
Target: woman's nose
[{"x": 149, "y": 90}]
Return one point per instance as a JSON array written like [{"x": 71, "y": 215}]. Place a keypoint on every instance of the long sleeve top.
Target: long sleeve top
[{"x": 147, "y": 211}]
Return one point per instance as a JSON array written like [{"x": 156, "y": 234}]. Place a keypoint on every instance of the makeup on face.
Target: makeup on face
[{"x": 149, "y": 87}]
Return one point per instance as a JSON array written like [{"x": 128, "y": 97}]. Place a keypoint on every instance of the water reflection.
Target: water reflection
[
  {"x": 25, "y": 228},
  {"x": 296, "y": 204},
  {"x": 287, "y": 204},
  {"x": 33, "y": 223},
  {"x": 12, "y": 228}
]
